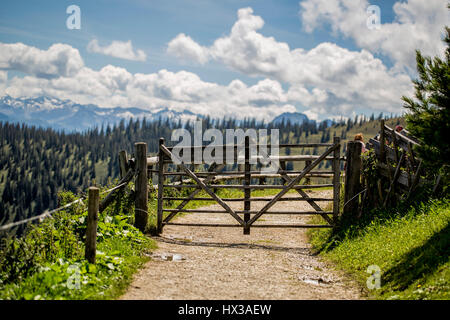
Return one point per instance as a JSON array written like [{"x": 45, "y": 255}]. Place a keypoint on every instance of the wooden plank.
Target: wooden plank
[
  {"x": 252, "y": 199},
  {"x": 394, "y": 179},
  {"x": 92, "y": 221},
  {"x": 382, "y": 142},
  {"x": 123, "y": 163},
  {"x": 352, "y": 179},
  {"x": 203, "y": 186},
  {"x": 403, "y": 139},
  {"x": 252, "y": 143},
  {"x": 291, "y": 184},
  {"x": 415, "y": 179},
  {"x": 110, "y": 197},
  {"x": 159, "y": 213},
  {"x": 152, "y": 161},
  {"x": 389, "y": 152},
  {"x": 141, "y": 189},
  {"x": 279, "y": 158},
  {"x": 249, "y": 211},
  {"x": 309, "y": 200},
  {"x": 247, "y": 182},
  {"x": 256, "y": 174},
  {"x": 402, "y": 177},
  {"x": 194, "y": 193},
  {"x": 252, "y": 186},
  {"x": 287, "y": 179},
  {"x": 336, "y": 179}
]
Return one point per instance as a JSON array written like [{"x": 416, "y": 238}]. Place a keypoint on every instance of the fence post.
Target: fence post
[
  {"x": 247, "y": 181},
  {"x": 141, "y": 200},
  {"x": 336, "y": 179},
  {"x": 382, "y": 142},
  {"x": 352, "y": 178},
  {"x": 92, "y": 220},
  {"x": 123, "y": 163},
  {"x": 160, "y": 187}
]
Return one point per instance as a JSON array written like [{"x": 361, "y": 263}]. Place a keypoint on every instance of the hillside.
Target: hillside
[{"x": 38, "y": 163}]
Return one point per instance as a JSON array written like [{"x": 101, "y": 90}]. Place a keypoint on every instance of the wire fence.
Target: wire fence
[{"x": 48, "y": 214}]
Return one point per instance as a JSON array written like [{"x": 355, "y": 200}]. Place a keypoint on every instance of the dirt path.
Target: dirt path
[{"x": 222, "y": 263}]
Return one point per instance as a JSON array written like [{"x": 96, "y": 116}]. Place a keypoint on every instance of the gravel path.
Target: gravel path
[{"x": 222, "y": 263}]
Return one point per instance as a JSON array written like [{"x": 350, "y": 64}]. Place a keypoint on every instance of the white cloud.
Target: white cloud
[
  {"x": 185, "y": 48},
  {"x": 3, "y": 80},
  {"x": 114, "y": 86},
  {"x": 328, "y": 78},
  {"x": 418, "y": 25},
  {"x": 117, "y": 49},
  {"x": 58, "y": 60}
]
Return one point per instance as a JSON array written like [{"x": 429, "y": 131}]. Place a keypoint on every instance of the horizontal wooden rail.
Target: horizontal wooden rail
[
  {"x": 225, "y": 173},
  {"x": 269, "y": 146},
  {"x": 252, "y": 199},
  {"x": 245, "y": 211},
  {"x": 252, "y": 186},
  {"x": 271, "y": 175},
  {"x": 240, "y": 159}
]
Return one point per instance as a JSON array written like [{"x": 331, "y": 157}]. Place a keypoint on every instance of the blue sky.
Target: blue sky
[{"x": 152, "y": 25}]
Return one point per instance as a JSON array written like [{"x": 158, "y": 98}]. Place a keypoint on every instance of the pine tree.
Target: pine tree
[{"x": 429, "y": 113}]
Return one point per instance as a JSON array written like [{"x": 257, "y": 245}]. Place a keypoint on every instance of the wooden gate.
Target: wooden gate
[{"x": 289, "y": 178}]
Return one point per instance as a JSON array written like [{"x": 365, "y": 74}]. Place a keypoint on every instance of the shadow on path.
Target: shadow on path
[{"x": 303, "y": 251}]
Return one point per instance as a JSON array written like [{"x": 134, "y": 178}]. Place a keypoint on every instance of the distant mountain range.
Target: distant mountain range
[
  {"x": 70, "y": 116},
  {"x": 292, "y": 117}
]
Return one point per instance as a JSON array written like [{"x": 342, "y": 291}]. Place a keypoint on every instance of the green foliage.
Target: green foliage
[
  {"x": 48, "y": 261},
  {"x": 410, "y": 244},
  {"x": 429, "y": 113}
]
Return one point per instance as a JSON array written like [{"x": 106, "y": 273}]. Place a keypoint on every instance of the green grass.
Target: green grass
[
  {"x": 48, "y": 262},
  {"x": 411, "y": 247}
]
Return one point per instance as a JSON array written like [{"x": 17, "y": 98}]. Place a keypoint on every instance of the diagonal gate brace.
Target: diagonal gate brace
[{"x": 202, "y": 185}]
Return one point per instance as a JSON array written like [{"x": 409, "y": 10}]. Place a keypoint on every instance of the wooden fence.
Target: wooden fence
[
  {"x": 397, "y": 165},
  {"x": 141, "y": 167},
  {"x": 207, "y": 181}
]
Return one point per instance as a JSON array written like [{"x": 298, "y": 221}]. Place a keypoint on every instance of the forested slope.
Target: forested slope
[{"x": 37, "y": 163}]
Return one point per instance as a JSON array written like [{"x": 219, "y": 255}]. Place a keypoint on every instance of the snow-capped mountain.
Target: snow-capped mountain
[
  {"x": 70, "y": 116},
  {"x": 292, "y": 117}
]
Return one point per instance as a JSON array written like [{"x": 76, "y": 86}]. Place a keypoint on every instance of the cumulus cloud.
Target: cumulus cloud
[
  {"x": 328, "y": 81},
  {"x": 114, "y": 86},
  {"x": 418, "y": 25},
  {"x": 185, "y": 48},
  {"x": 58, "y": 60},
  {"x": 117, "y": 49},
  {"x": 328, "y": 78}
]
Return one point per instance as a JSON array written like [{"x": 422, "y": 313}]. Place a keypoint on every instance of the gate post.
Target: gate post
[
  {"x": 247, "y": 181},
  {"x": 92, "y": 221},
  {"x": 336, "y": 179},
  {"x": 141, "y": 201},
  {"x": 159, "y": 225},
  {"x": 352, "y": 178}
]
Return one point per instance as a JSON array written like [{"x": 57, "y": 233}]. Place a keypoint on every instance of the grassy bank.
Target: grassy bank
[
  {"x": 410, "y": 245},
  {"x": 48, "y": 261}
]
